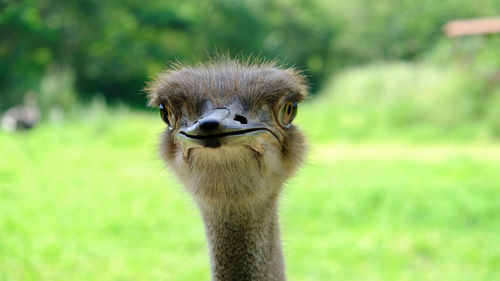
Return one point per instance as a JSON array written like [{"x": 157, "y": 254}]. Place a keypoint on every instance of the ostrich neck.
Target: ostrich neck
[{"x": 244, "y": 243}]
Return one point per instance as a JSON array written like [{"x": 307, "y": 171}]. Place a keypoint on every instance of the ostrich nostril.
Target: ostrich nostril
[
  {"x": 209, "y": 125},
  {"x": 240, "y": 119}
]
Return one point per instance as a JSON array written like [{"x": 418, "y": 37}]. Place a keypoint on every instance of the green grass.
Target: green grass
[{"x": 91, "y": 201}]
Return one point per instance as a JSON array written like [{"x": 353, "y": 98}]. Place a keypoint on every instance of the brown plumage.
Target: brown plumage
[{"x": 231, "y": 143}]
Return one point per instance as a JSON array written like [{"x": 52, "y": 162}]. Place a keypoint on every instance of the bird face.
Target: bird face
[{"x": 229, "y": 128}]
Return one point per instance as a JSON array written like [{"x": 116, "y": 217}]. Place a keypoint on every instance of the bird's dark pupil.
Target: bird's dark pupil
[{"x": 164, "y": 114}]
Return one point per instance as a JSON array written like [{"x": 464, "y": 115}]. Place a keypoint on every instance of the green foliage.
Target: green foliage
[
  {"x": 112, "y": 47},
  {"x": 90, "y": 200},
  {"x": 412, "y": 101},
  {"x": 57, "y": 92}
]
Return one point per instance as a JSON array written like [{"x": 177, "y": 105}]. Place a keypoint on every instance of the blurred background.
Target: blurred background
[{"x": 403, "y": 177}]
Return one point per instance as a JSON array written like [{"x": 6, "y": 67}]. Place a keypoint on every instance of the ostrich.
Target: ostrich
[
  {"x": 22, "y": 117},
  {"x": 231, "y": 142}
]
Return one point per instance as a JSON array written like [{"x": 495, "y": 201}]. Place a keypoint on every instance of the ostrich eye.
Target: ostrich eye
[
  {"x": 288, "y": 112},
  {"x": 166, "y": 115}
]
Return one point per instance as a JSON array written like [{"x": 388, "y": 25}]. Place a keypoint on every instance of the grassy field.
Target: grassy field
[{"x": 91, "y": 201}]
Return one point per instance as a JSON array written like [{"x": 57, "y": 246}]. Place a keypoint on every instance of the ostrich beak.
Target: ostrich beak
[{"x": 221, "y": 126}]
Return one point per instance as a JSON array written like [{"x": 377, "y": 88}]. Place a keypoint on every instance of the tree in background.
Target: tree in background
[{"x": 112, "y": 47}]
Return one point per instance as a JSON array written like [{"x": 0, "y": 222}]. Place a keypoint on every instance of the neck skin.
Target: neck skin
[{"x": 244, "y": 242}]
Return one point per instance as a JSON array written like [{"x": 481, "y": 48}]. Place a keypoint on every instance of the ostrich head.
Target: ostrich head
[{"x": 230, "y": 137}]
